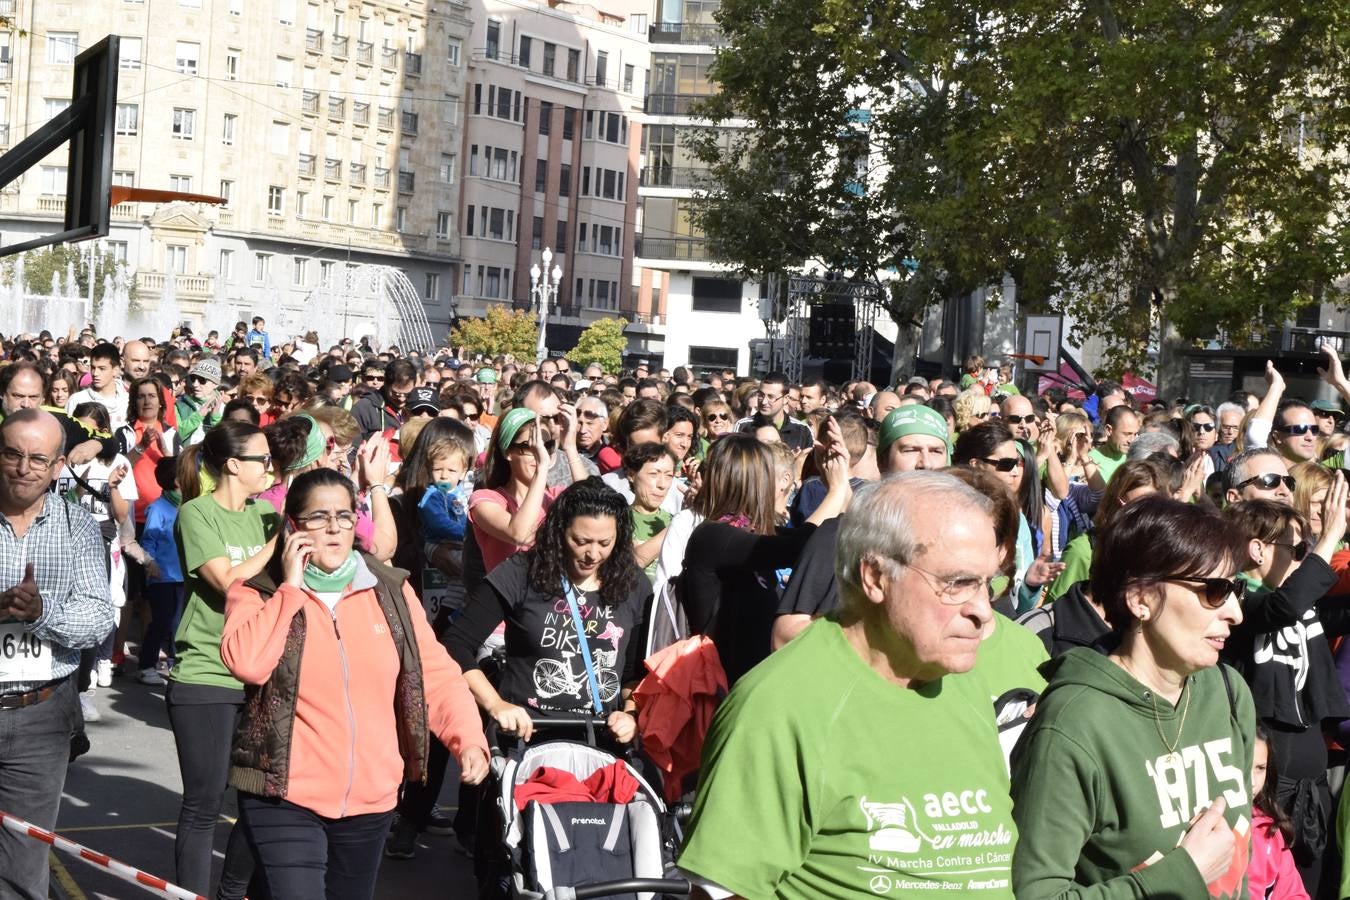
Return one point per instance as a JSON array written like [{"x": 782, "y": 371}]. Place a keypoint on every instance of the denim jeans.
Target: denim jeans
[
  {"x": 34, "y": 748},
  {"x": 165, "y": 599},
  {"x": 304, "y": 856}
]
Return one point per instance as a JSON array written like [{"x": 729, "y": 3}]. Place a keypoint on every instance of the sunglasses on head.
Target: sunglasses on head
[
  {"x": 1006, "y": 464},
  {"x": 1297, "y": 430},
  {"x": 1268, "y": 482},
  {"x": 1213, "y": 592}
]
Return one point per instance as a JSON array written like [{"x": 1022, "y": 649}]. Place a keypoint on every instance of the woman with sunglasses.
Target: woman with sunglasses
[
  {"x": 1282, "y": 650},
  {"x": 318, "y": 818},
  {"x": 718, "y": 422},
  {"x": 507, "y": 510},
  {"x": 224, "y": 535},
  {"x": 971, "y": 407},
  {"x": 1131, "y": 780}
]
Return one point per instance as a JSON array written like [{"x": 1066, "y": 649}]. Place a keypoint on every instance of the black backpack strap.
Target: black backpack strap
[{"x": 1228, "y": 689}]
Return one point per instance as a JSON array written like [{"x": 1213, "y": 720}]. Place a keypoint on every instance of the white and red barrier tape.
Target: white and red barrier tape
[{"x": 152, "y": 883}]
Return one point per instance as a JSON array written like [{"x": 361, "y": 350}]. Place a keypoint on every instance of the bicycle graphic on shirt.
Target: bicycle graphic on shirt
[{"x": 553, "y": 678}]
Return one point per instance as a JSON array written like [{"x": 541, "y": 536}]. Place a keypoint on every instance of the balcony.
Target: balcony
[
  {"x": 332, "y": 169},
  {"x": 6, "y": 68},
  {"x": 308, "y": 164},
  {"x": 7, "y": 7},
  {"x": 365, "y": 52},
  {"x": 685, "y": 33},
  {"x": 385, "y": 118},
  {"x": 124, "y": 212},
  {"x": 340, "y": 46},
  {"x": 356, "y": 173},
  {"x": 51, "y": 206},
  {"x": 314, "y": 40},
  {"x": 360, "y": 113},
  {"x": 408, "y": 122},
  {"x": 405, "y": 182},
  {"x": 673, "y": 177},
  {"x": 337, "y": 108},
  {"x": 389, "y": 57},
  {"x": 190, "y": 285},
  {"x": 381, "y": 179},
  {"x": 412, "y": 63},
  {"x": 693, "y": 249},
  {"x": 671, "y": 104},
  {"x": 309, "y": 103}
]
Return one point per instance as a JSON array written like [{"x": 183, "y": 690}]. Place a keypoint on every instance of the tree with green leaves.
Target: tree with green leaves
[
  {"x": 1167, "y": 172},
  {"x": 40, "y": 265},
  {"x": 502, "y": 330},
  {"x": 603, "y": 343}
]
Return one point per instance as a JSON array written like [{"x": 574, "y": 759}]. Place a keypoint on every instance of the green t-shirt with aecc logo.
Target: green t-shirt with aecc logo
[
  {"x": 206, "y": 531},
  {"x": 823, "y": 780}
]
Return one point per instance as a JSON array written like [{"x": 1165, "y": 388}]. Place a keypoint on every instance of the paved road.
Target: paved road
[{"x": 122, "y": 799}]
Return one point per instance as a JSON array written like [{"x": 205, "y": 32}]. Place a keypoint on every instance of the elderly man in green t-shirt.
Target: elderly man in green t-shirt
[{"x": 859, "y": 760}]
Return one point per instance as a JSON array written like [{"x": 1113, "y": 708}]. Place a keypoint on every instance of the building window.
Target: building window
[
  {"x": 118, "y": 249},
  {"x": 180, "y": 183},
  {"x": 62, "y": 47},
  {"x": 185, "y": 56},
  {"x": 496, "y": 227},
  {"x": 283, "y": 72},
  {"x": 537, "y": 234},
  {"x": 326, "y": 273},
  {"x": 494, "y": 38},
  {"x": 327, "y": 208},
  {"x": 601, "y": 66},
  {"x": 184, "y": 123},
  {"x": 353, "y": 209},
  {"x": 124, "y": 178},
  {"x": 175, "y": 258},
  {"x": 639, "y": 23},
  {"x": 401, "y": 218},
  {"x": 56, "y": 106},
  {"x": 540, "y": 175},
  {"x": 550, "y": 58},
  {"x": 280, "y": 138},
  {"x": 227, "y": 191},
  {"x": 573, "y": 65},
  {"x": 433, "y": 286},
  {"x": 276, "y": 200},
  {"x": 545, "y": 117},
  {"x": 286, "y": 12},
  {"x": 232, "y": 65},
  {"x": 225, "y": 268},
  {"x": 560, "y": 246},
  {"x": 377, "y": 215},
  {"x": 581, "y": 239},
  {"x": 452, "y": 51},
  {"x": 628, "y": 79},
  {"x": 569, "y": 123},
  {"x": 565, "y": 180},
  {"x": 301, "y": 204},
  {"x": 53, "y": 179},
  {"x": 129, "y": 53},
  {"x": 128, "y": 118},
  {"x": 443, "y": 225},
  {"x": 716, "y": 295},
  {"x": 447, "y": 168},
  {"x": 262, "y": 267},
  {"x": 227, "y": 129},
  {"x": 469, "y": 221},
  {"x": 299, "y": 271},
  {"x": 526, "y": 50}
]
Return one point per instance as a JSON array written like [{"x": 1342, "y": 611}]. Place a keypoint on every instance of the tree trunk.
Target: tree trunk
[{"x": 1172, "y": 360}]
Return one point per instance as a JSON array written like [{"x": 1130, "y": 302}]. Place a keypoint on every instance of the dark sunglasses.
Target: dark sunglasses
[
  {"x": 1018, "y": 420},
  {"x": 1298, "y": 551},
  {"x": 1297, "y": 430},
  {"x": 1203, "y": 427},
  {"x": 373, "y": 378},
  {"x": 1007, "y": 464},
  {"x": 197, "y": 379},
  {"x": 1268, "y": 482},
  {"x": 1214, "y": 592},
  {"x": 719, "y": 417},
  {"x": 524, "y": 447}
]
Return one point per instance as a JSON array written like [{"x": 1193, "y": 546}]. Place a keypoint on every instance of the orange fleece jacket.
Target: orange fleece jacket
[{"x": 344, "y": 748}]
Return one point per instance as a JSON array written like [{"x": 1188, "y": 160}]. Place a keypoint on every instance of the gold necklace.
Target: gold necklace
[{"x": 1157, "y": 716}]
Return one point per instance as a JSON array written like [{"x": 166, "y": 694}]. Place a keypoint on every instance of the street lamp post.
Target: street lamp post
[{"x": 544, "y": 289}]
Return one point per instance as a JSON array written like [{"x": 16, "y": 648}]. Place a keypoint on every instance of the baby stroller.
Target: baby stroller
[{"x": 571, "y": 850}]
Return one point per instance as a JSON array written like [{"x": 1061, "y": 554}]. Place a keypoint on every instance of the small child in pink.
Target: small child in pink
[{"x": 1272, "y": 874}]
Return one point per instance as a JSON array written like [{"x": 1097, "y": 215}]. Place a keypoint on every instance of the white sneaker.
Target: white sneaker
[
  {"x": 87, "y": 708},
  {"x": 104, "y": 669},
  {"x": 150, "y": 676}
]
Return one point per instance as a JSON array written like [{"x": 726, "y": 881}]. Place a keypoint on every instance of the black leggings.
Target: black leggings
[
  {"x": 204, "y": 733},
  {"x": 304, "y": 856}
]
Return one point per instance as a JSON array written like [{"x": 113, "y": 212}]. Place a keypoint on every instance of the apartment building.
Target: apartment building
[
  {"x": 551, "y": 150},
  {"x": 332, "y": 129}
]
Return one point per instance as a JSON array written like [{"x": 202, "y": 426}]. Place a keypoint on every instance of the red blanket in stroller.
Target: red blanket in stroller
[{"x": 612, "y": 784}]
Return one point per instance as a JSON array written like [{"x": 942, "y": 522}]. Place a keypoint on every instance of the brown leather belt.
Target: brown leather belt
[{"x": 29, "y": 698}]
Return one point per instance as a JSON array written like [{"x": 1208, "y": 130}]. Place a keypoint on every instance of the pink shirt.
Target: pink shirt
[
  {"x": 496, "y": 551},
  {"x": 1272, "y": 873}
]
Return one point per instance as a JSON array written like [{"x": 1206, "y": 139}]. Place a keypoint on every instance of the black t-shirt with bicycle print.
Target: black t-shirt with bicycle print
[{"x": 544, "y": 670}]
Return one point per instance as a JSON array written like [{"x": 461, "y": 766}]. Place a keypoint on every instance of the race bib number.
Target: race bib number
[
  {"x": 435, "y": 591},
  {"x": 23, "y": 656}
]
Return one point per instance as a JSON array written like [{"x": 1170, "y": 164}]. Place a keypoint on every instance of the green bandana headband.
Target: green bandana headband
[
  {"x": 314, "y": 445},
  {"x": 510, "y": 426},
  {"x": 913, "y": 419},
  {"x": 321, "y": 582}
]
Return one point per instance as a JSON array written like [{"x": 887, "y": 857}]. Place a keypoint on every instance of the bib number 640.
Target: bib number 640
[{"x": 20, "y": 646}]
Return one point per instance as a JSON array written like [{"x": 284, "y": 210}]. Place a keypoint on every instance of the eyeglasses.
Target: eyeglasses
[
  {"x": 265, "y": 459},
  {"x": 258, "y": 399},
  {"x": 1229, "y": 427},
  {"x": 1297, "y": 430},
  {"x": 1203, "y": 427},
  {"x": 37, "y": 462},
  {"x": 1268, "y": 482},
  {"x": 1019, "y": 420},
  {"x": 956, "y": 590},
  {"x": 718, "y": 417},
  {"x": 318, "y": 521},
  {"x": 1006, "y": 464},
  {"x": 1214, "y": 592},
  {"x": 472, "y": 417},
  {"x": 197, "y": 379},
  {"x": 1298, "y": 551}
]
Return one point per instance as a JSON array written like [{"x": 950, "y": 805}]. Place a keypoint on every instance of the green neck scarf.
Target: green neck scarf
[
  {"x": 321, "y": 582},
  {"x": 174, "y": 497}
]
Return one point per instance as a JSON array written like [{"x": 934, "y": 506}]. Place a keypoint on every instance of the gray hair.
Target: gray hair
[
  {"x": 1151, "y": 442},
  {"x": 879, "y": 522},
  {"x": 1228, "y": 408},
  {"x": 1236, "y": 472}
]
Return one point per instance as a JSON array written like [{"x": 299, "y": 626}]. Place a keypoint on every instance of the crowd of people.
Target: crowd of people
[{"x": 1031, "y": 645}]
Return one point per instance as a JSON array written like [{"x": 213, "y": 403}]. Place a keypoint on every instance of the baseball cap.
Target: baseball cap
[
  {"x": 423, "y": 398},
  {"x": 1327, "y": 406},
  {"x": 340, "y": 373},
  {"x": 207, "y": 369}
]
